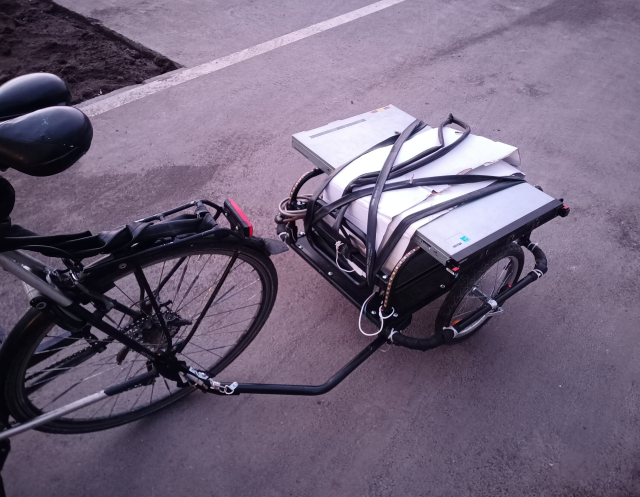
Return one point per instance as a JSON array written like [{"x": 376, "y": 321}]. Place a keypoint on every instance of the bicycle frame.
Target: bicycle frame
[{"x": 22, "y": 266}]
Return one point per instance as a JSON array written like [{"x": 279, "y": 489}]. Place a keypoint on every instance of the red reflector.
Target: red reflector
[
  {"x": 455, "y": 269},
  {"x": 242, "y": 215}
]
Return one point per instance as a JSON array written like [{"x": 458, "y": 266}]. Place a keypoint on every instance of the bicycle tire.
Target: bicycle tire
[
  {"x": 447, "y": 313},
  {"x": 29, "y": 332}
]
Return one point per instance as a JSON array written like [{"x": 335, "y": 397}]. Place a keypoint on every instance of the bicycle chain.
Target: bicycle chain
[
  {"x": 133, "y": 330},
  {"x": 55, "y": 365}
]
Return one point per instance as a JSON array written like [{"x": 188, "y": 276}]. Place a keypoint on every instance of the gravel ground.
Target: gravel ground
[{"x": 41, "y": 36}]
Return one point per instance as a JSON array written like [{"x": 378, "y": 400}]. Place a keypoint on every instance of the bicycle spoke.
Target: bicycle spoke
[
  {"x": 121, "y": 320},
  {"x": 209, "y": 289},
  {"x": 114, "y": 405},
  {"x": 495, "y": 278},
  {"x": 142, "y": 390},
  {"x": 118, "y": 396},
  {"x": 170, "y": 274},
  {"x": 212, "y": 348},
  {"x": 88, "y": 340},
  {"x": 134, "y": 303},
  {"x": 160, "y": 278},
  {"x": 227, "y": 325},
  {"x": 79, "y": 382},
  {"x": 167, "y": 385},
  {"x": 232, "y": 310},
  {"x": 102, "y": 406},
  {"x": 195, "y": 298},
  {"x": 186, "y": 266},
  {"x": 236, "y": 293},
  {"x": 194, "y": 280},
  {"x": 191, "y": 359},
  {"x": 47, "y": 376},
  {"x": 220, "y": 301},
  {"x": 113, "y": 320},
  {"x": 83, "y": 366}
]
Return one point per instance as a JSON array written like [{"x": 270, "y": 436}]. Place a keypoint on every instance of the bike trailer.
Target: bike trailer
[{"x": 404, "y": 211}]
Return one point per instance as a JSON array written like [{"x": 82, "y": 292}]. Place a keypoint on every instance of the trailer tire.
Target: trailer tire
[{"x": 456, "y": 303}]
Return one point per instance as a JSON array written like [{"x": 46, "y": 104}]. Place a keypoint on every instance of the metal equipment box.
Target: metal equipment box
[
  {"x": 473, "y": 227},
  {"x": 339, "y": 142}
]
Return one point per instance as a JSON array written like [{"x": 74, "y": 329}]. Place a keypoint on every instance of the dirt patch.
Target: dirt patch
[{"x": 41, "y": 36}]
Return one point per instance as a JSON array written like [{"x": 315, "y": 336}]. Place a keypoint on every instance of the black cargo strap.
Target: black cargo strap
[
  {"x": 388, "y": 247},
  {"x": 431, "y": 181},
  {"x": 372, "y": 220},
  {"x": 420, "y": 160}
]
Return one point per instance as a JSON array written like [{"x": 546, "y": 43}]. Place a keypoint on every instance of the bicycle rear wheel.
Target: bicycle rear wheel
[{"x": 43, "y": 366}]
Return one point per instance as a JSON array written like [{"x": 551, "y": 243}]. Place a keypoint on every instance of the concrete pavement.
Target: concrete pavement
[
  {"x": 544, "y": 401},
  {"x": 192, "y": 32}
]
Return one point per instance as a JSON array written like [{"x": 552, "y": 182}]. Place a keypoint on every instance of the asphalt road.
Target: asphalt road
[{"x": 544, "y": 401}]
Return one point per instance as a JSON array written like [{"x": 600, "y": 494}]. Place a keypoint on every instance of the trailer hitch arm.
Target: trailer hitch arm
[{"x": 306, "y": 390}]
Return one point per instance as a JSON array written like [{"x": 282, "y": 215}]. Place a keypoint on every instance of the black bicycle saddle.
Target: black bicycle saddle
[
  {"x": 25, "y": 94},
  {"x": 45, "y": 142}
]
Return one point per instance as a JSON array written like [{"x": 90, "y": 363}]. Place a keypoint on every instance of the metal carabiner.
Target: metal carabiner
[{"x": 225, "y": 389}]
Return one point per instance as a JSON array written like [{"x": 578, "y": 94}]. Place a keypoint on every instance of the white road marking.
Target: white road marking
[{"x": 125, "y": 97}]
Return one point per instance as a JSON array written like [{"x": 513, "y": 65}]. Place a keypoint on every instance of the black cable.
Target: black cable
[
  {"x": 309, "y": 216},
  {"x": 390, "y": 171}
]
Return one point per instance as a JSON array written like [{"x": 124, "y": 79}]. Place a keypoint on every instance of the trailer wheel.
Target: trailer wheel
[{"x": 474, "y": 288}]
